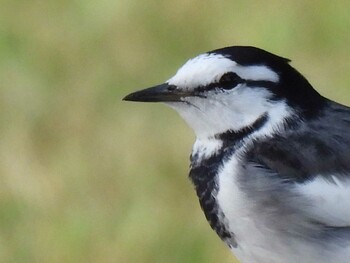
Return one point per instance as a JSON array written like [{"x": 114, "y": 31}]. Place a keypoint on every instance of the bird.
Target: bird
[{"x": 271, "y": 160}]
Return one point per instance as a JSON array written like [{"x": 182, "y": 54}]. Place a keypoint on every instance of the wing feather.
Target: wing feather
[{"x": 314, "y": 160}]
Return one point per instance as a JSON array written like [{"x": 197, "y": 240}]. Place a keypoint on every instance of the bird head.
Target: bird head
[{"x": 232, "y": 88}]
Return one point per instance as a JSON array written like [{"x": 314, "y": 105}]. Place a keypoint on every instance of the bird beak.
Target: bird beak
[{"x": 160, "y": 93}]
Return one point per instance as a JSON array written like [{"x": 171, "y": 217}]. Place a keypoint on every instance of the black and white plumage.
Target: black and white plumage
[{"x": 271, "y": 162}]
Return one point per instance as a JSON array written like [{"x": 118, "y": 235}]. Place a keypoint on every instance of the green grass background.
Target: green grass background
[{"x": 85, "y": 177}]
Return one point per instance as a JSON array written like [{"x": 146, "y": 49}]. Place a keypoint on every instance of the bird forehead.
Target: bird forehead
[
  {"x": 208, "y": 68},
  {"x": 202, "y": 70}
]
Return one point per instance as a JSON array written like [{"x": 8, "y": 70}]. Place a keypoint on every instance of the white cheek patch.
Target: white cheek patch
[
  {"x": 231, "y": 111},
  {"x": 208, "y": 68}
]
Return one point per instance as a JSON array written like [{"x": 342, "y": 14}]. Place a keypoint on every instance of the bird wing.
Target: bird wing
[
  {"x": 329, "y": 200},
  {"x": 315, "y": 164}
]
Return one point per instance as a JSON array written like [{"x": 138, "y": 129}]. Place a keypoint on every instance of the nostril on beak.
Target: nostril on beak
[{"x": 172, "y": 87}]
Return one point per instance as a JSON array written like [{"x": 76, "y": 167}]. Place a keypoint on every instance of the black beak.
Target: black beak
[{"x": 160, "y": 93}]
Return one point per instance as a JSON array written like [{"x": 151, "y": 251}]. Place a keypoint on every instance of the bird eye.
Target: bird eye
[{"x": 229, "y": 80}]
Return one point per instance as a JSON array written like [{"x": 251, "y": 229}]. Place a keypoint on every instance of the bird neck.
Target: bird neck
[
  {"x": 206, "y": 148},
  {"x": 232, "y": 137}
]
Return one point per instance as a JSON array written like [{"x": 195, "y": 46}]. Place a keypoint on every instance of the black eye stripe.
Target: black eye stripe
[
  {"x": 230, "y": 80},
  {"x": 227, "y": 81},
  {"x": 260, "y": 83}
]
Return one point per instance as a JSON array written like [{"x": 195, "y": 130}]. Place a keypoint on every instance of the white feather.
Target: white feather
[
  {"x": 329, "y": 200},
  {"x": 208, "y": 68}
]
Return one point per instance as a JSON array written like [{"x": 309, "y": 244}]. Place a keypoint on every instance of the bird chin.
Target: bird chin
[{"x": 193, "y": 116}]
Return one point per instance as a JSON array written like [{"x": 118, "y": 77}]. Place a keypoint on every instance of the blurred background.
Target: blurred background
[{"x": 85, "y": 177}]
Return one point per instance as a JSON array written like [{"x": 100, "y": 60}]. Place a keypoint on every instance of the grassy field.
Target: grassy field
[{"x": 85, "y": 177}]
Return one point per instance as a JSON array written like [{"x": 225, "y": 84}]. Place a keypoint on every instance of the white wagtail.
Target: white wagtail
[{"x": 271, "y": 162}]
